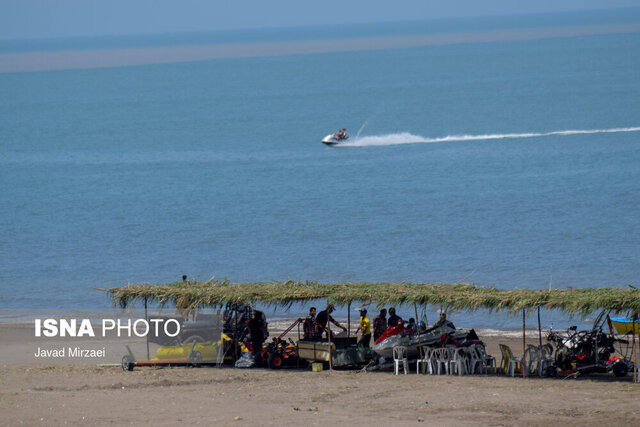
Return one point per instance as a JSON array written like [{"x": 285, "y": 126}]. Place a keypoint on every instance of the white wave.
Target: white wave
[{"x": 408, "y": 138}]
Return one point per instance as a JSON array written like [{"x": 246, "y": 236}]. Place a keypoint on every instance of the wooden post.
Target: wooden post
[
  {"x": 329, "y": 338},
  {"x": 635, "y": 359},
  {"x": 633, "y": 344},
  {"x": 349, "y": 320},
  {"x": 524, "y": 344},
  {"x": 418, "y": 328},
  {"x": 539, "y": 328},
  {"x": 146, "y": 319},
  {"x": 235, "y": 334}
]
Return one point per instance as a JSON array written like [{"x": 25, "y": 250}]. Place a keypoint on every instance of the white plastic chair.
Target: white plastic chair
[
  {"x": 425, "y": 361},
  {"x": 400, "y": 356}
]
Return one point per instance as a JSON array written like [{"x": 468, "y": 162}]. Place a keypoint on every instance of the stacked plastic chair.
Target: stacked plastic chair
[
  {"x": 509, "y": 362},
  {"x": 457, "y": 360}
]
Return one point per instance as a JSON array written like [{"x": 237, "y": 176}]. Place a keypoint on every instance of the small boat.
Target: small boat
[
  {"x": 624, "y": 325},
  {"x": 399, "y": 335}
]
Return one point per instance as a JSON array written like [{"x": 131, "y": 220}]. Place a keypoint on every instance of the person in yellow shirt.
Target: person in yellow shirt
[{"x": 365, "y": 326}]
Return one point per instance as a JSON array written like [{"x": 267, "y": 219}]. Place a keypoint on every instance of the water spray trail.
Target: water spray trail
[
  {"x": 408, "y": 138},
  {"x": 362, "y": 127}
]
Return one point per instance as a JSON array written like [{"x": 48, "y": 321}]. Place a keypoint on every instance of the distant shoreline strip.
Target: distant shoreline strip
[{"x": 106, "y": 58}]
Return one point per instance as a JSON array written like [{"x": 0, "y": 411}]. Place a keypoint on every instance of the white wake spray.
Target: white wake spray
[{"x": 408, "y": 138}]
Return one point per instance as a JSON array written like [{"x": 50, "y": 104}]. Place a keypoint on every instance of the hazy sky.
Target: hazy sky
[{"x": 64, "y": 18}]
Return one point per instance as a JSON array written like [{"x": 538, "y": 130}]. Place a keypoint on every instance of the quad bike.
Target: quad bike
[
  {"x": 279, "y": 353},
  {"x": 587, "y": 352}
]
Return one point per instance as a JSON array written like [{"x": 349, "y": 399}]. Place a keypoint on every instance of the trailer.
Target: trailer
[
  {"x": 343, "y": 352},
  {"x": 195, "y": 355}
]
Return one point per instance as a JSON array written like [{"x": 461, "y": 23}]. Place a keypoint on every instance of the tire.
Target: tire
[
  {"x": 195, "y": 359},
  {"x": 127, "y": 363},
  {"x": 620, "y": 370},
  {"x": 275, "y": 361}
]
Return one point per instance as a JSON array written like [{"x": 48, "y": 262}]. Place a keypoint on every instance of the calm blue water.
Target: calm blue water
[{"x": 215, "y": 168}]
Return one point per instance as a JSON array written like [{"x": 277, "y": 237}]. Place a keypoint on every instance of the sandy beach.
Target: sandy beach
[{"x": 71, "y": 392}]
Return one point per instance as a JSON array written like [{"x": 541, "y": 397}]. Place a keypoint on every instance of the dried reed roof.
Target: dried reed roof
[{"x": 192, "y": 294}]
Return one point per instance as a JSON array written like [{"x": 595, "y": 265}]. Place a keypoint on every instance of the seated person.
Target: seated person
[{"x": 442, "y": 322}]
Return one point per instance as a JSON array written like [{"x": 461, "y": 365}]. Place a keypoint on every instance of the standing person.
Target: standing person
[
  {"x": 379, "y": 324},
  {"x": 394, "y": 319},
  {"x": 310, "y": 326},
  {"x": 324, "y": 317},
  {"x": 365, "y": 326},
  {"x": 256, "y": 329}
]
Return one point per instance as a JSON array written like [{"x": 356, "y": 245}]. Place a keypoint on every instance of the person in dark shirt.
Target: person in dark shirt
[
  {"x": 256, "y": 329},
  {"x": 394, "y": 319},
  {"x": 325, "y": 316},
  {"x": 412, "y": 324},
  {"x": 379, "y": 324}
]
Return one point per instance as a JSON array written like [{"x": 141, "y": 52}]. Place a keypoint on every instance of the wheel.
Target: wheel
[
  {"x": 195, "y": 359},
  {"x": 620, "y": 369},
  {"x": 128, "y": 363},
  {"x": 275, "y": 361}
]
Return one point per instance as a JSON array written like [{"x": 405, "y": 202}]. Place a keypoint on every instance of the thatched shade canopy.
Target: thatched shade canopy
[{"x": 187, "y": 295}]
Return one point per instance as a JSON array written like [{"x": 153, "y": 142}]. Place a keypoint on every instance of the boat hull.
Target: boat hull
[
  {"x": 331, "y": 140},
  {"x": 385, "y": 347},
  {"x": 624, "y": 325}
]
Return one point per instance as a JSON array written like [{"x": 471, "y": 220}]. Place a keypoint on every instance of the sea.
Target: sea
[{"x": 512, "y": 163}]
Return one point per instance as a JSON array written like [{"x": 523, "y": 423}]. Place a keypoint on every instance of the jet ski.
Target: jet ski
[{"x": 337, "y": 138}]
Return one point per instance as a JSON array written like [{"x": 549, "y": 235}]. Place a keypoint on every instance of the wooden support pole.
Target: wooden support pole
[
  {"x": 235, "y": 334},
  {"x": 524, "y": 345},
  {"x": 146, "y": 319},
  {"x": 635, "y": 359},
  {"x": 418, "y": 328},
  {"x": 329, "y": 338},
  {"x": 539, "y": 329},
  {"x": 349, "y": 320},
  {"x": 633, "y": 344}
]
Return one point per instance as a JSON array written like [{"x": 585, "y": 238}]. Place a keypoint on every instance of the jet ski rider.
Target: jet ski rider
[{"x": 342, "y": 133}]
